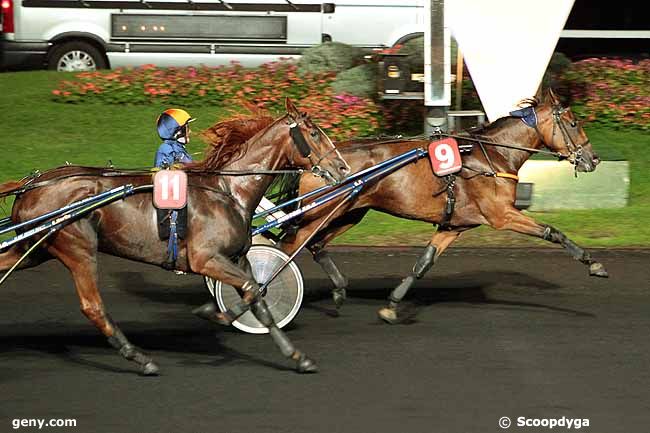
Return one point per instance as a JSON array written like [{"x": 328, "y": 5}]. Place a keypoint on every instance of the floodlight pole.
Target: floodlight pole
[{"x": 437, "y": 67}]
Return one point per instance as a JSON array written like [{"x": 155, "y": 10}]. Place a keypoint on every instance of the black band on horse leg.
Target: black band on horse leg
[
  {"x": 425, "y": 261},
  {"x": 303, "y": 363},
  {"x": 400, "y": 291},
  {"x": 330, "y": 268},
  {"x": 340, "y": 281},
  {"x": 423, "y": 264},
  {"x": 596, "y": 269},
  {"x": 251, "y": 295},
  {"x": 128, "y": 351},
  {"x": 552, "y": 234}
]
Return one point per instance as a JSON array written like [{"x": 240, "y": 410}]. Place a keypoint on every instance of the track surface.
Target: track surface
[{"x": 496, "y": 333}]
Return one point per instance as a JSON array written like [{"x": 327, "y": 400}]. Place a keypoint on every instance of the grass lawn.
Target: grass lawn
[{"x": 38, "y": 133}]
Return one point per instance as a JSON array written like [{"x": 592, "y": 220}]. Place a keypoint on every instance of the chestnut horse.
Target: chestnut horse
[
  {"x": 220, "y": 211},
  {"x": 484, "y": 192}
]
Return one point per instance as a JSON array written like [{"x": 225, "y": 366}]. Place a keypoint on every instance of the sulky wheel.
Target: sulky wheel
[{"x": 284, "y": 294}]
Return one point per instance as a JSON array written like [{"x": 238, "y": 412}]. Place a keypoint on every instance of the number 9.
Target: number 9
[{"x": 445, "y": 154}]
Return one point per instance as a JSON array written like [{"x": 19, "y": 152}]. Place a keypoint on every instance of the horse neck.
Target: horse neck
[
  {"x": 514, "y": 132},
  {"x": 266, "y": 151}
]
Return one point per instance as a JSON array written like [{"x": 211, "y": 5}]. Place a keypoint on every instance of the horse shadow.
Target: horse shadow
[
  {"x": 469, "y": 288},
  {"x": 87, "y": 348},
  {"x": 191, "y": 293}
]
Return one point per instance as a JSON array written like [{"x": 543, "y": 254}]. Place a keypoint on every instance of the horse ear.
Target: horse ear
[
  {"x": 552, "y": 97},
  {"x": 292, "y": 110}
]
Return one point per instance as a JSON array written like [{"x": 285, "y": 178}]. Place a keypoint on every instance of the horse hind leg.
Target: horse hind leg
[
  {"x": 80, "y": 258},
  {"x": 438, "y": 244},
  {"x": 92, "y": 307}
]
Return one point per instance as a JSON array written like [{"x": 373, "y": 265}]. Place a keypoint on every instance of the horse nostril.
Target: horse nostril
[
  {"x": 595, "y": 159},
  {"x": 344, "y": 170}
]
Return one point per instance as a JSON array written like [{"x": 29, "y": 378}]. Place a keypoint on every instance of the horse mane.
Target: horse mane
[
  {"x": 499, "y": 123},
  {"x": 228, "y": 139}
]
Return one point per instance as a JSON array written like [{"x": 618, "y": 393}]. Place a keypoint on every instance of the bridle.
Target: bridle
[
  {"x": 575, "y": 155},
  {"x": 307, "y": 151}
]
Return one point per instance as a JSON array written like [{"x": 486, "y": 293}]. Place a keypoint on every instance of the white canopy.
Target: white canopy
[{"x": 507, "y": 45}]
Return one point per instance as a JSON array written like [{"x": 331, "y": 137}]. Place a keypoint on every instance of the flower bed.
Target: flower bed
[
  {"x": 611, "y": 92},
  {"x": 344, "y": 116}
]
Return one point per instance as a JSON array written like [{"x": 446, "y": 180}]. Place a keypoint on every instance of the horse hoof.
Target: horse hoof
[
  {"x": 209, "y": 312},
  {"x": 150, "y": 369},
  {"x": 221, "y": 319},
  {"x": 205, "y": 311},
  {"x": 598, "y": 270},
  {"x": 388, "y": 315},
  {"x": 339, "y": 297},
  {"x": 306, "y": 365}
]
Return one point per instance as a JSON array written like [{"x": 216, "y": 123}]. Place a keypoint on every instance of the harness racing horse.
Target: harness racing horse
[
  {"x": 221, "y": 208},
  {"x": 484, "y": 191}
]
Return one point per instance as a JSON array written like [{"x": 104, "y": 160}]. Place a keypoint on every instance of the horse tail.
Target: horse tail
[
  {"x": 16, "y": 253},
  {"x": 9, "y": 188}
]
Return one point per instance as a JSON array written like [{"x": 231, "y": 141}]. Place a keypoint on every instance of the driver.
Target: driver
[{"x": 174, "y": 129}]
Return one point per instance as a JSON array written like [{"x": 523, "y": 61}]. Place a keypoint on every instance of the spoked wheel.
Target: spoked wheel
[
  {"x": 76, "y": 56},
  {"x": 284, "y": 294}
]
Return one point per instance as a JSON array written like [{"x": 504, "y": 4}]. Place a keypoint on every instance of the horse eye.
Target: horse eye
[
  {"x": 314, "y": 134},
  {"x": 573, "y": 124}
]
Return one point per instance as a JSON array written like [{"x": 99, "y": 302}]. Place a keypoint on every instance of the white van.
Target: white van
[{"x": 75, "y": 35}]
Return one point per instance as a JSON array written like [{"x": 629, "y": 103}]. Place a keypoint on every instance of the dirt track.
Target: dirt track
[{"x": 496, "y": 333}]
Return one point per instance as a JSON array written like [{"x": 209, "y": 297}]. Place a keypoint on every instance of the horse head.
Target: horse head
[
  {"x": 312, "y": 147},
  {"x": 561, "y": 132}
]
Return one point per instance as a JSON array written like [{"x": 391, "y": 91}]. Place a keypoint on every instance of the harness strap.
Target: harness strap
[
  {"x": 451, "y": 201},
  {"x": 172, "y": 244},
  {"x": 507, "y": 176}
]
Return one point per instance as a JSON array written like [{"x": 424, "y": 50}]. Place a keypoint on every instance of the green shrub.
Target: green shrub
[
  {"x": 329, "y": 57},
  {"x": 554, "y": 77},
  {"x": 414, "y": 50},
  {"x": 360, "y": 81}
]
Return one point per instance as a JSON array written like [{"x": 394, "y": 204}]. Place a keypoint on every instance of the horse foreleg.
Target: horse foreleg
[
  {"x": 317, "y": 247},
  {"x": 339, "y": 292},
  {"x": 516, "y": 221},
  {"x": 229, "y": 273},
  {"x": 438, "y": 244}
]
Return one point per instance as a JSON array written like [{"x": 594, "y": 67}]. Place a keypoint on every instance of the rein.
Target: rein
[
  {"x": 296, "y": 135},
  {"x": 483, "y": 140},
  {"x": 30, "y": 185}
]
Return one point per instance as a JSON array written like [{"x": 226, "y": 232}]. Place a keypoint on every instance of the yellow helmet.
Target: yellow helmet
[{"x": 172, "y": 122}]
